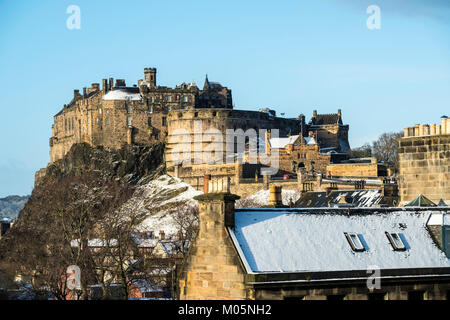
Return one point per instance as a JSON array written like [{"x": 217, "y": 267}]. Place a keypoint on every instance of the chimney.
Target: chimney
[
  {"x": 275, "y": 196},
  {"x": 206, "y": 180},
  {"x": 120, "y": 83},
  {"x": 76, "y": 93},
  {"x": 162, "y": 235},
  {"x": 96, "y": 86},
  {"x": 104, "y": 85},
  {"x": 314, "y": 113},
  {"x": 339, "y": 113},
  {"x": 84, "y": 92},
  {"x": 111, "y": 84},
  {"x": 217, "y": 208}
]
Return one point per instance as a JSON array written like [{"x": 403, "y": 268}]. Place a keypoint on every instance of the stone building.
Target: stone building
[
  {"x": 316, "y": 254},
  {"x": 115, "y": 114},
  {"x": 424, "y": 162},
  {"x": 330, "y": 132},
  {"x": 358, "y": 168}
]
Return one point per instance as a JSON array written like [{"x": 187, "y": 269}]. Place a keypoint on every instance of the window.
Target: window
[
  {"x": 163, "y": 121},
  {"x": 336, "y": 297},
  {"x": 128, "y": 108},
  {"x": 294, "y": 298},
  {"x": 185, "y": 98},
  {"x": 376, "y": 296},
  {"x": 149, "y": 121},
  {"x": 129, "y": 121},
  {"x": 396, "y": 241},
  {"x": 416, "y": 295},
  {"x": 149, "y": 109},
  {"x": 355, "y": 242},
  {"x": 152, "y": 99},
  {"x": 99, "y": 110},
  {"x": 169, "y": 98}
]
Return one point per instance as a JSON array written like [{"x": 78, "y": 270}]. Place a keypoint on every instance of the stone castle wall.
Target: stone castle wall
[
  {"x": 187, "y": 122},
  {"x": 424, "y": 157}
]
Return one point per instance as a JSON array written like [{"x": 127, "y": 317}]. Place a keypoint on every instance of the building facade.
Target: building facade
[{"x": 316, "y": 254}]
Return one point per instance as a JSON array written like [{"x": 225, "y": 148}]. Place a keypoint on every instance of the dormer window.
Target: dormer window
[
  {"x": 169, "y": 98},
  {"x": 185, "y": 99},
  {"x": 396, "y": 241},
  {"x": 354, "y": 241}
]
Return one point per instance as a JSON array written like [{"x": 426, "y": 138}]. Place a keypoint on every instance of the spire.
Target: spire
[{"x": 206, "y": 86}]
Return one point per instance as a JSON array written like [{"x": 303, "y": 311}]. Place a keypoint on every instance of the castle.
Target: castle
[{"x": 115, "y": 115}]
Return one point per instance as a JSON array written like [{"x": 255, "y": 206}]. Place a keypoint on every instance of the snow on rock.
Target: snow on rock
[
  {"x": 160, "y": 199},
  {"x": 261, "y": 198}
]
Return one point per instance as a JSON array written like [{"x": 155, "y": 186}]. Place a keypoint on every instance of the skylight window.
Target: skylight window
[
  {"x": 396, "y": 241},
  {"x": 354, "y": 241}
]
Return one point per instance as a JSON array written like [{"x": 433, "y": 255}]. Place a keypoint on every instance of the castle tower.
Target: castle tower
[{"x": 150, "y": 76}]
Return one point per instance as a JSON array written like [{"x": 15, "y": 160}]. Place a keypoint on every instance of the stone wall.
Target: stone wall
[
  {"x": 186, "y": 127},
  {"x": 424, "y": 167},
  {"x": 364, "y": 170}
]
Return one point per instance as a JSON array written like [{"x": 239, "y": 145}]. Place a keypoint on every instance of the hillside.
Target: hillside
[{"x": 11, "y": 205}]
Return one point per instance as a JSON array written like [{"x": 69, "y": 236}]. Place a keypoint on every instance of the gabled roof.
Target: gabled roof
[
  {"x": 421, "y": 201},
  {"x": 442, "y": 203},
  {"x": 286, "y": 240}
]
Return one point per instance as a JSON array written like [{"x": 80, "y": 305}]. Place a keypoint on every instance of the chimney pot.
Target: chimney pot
[{"x": 275, "y": 196}]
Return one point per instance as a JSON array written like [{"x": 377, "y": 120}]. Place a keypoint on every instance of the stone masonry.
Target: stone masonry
[
  {"x": 424, "y": 155},
  {"x": 212, "y": 269}
]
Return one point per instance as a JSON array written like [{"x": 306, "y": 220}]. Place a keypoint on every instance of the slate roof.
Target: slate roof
[
  {"x": 358, "y": 198},
  {"x": 297, "y": 241},
  {"x": 421, "y": 201}
]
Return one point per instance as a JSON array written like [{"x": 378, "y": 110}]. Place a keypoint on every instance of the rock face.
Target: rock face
[
  {"x": 10, "y": 206},
  {"x": 131, "y": 162}
]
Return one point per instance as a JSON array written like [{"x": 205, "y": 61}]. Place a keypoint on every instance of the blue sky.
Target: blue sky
[{"x": 293, "y": 56}]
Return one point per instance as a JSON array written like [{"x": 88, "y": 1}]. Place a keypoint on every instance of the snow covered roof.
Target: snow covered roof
[
  {"x": 278, "y": 143},
  {"x": 358, "y": 198},
  {"x": 283, "y": 240},
  {"x": 145, "y": 286},
  {"x": 96, "y": 243},
  {"x": 123, "y": 94},
  {"x": 439, "y": 219}
]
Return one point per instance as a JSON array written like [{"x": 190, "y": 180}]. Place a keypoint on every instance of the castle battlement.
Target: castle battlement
[{"x": 420, "y": 130}]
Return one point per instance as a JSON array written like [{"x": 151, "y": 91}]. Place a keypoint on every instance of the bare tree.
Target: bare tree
[
  {"x": 386, "y": 148},
  {"x": 56, "y": 227},
  {"x": 361, "y": 152}
]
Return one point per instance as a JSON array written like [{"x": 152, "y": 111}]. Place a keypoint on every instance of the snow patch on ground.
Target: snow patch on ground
[{"x": 158, "y": 199}]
